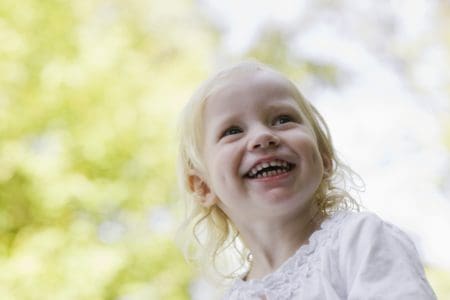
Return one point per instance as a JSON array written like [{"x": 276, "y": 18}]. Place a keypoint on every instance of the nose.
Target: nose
[{"x": 263, "y": 140}]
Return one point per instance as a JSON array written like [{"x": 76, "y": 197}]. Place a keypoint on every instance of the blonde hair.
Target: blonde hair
[{"x": 213, "y": 232}]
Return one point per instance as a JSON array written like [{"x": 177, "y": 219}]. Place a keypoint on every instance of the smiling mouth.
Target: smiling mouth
[{"x": 269, "y": 169}]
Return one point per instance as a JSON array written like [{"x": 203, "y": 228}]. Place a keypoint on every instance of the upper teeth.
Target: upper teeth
[{"x": 273, "y": 163}]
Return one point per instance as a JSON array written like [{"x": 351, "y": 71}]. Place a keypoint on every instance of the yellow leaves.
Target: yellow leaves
[
  {"x": 439, "y": 279},
  {"x": 90, "y": 96},
  {"x": 12, "y": 43},
  {"x": 63, "y": 265}
]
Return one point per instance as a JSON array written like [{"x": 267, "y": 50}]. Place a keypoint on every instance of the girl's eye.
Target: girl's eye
[
  {"x": 283, "y": 119},
  {"x": 232, "y": 130}
]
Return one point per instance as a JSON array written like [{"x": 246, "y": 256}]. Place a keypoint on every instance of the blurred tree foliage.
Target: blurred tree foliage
[
  {"x": 88, "y": 100},
  {"x": 89, "y": 93}
]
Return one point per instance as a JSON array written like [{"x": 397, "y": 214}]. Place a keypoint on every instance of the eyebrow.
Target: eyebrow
[
  {"x": 223, "y": 121},
  {"x": 284, "y": 105},
  {"x": 230, "y": 118}
]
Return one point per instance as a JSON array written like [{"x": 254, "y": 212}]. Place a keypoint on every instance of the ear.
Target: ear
[
  {"x": 327, "y": 164},
  {"x": 204, "y": 195}
]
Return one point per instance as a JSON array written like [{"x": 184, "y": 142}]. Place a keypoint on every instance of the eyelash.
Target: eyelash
[
  {"x": 236, "y": 130},
  {"x": 232, "y": 130},
  {"x": 284, "y": 118}
]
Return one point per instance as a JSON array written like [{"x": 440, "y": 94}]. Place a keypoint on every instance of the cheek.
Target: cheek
[
  {"x": 311, "y": 151},
  {"x": 308, "y": 146},
  {"x": 316, "y": 158},
  {"x": 218, "y": 165},
  {"x": 225, "y": 167},
  {"x": 228, "y": 156}
]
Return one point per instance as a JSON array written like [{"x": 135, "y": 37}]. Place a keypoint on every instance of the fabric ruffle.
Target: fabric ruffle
[{"x": 283, "y": 283}]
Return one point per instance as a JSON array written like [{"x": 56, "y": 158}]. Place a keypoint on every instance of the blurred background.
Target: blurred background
[{"x": 90, "y": 91}]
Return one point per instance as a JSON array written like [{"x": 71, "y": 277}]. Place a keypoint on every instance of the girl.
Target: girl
[{"x": 259, "y": 171}]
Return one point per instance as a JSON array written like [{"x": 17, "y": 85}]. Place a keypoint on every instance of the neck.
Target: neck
[{"x": 272, "y": 243}]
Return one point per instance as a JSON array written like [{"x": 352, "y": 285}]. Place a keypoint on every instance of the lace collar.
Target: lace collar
[{"x": 288, "y": 278}]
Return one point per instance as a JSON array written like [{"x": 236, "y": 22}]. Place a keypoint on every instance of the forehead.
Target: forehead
[{"x": 257, "y": 85}]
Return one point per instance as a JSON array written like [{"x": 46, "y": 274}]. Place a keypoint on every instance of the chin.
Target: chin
[{"x": 279, "y": 205}]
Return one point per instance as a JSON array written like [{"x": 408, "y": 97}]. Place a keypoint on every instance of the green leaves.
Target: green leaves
[{"x": 90, "y": 92}]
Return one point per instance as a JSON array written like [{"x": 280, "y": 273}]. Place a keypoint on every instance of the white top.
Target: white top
[{"x": 352, "y": 256}]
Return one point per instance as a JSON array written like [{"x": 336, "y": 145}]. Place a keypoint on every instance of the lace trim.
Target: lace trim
[{"x": 288, "y": 278}]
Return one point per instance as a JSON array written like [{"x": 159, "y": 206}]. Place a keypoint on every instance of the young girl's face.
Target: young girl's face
[{"x": 260, "y": 153}]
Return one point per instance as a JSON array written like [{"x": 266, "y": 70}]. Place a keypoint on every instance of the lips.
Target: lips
[{"x": 269, "y": 167}]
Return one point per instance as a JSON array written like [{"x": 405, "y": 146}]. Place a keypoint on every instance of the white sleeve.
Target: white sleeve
[{"x": 378, "y": 261}]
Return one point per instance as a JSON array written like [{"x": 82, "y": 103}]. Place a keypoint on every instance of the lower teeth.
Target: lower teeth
[{"x": 271, "y": 173}]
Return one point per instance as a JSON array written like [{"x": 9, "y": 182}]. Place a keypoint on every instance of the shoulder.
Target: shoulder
[
  {"x": 362, "y": 231},
  {"x": 369, "y": 225},
  {"x": 377, "y": 256},
  {"x": 352, "y": 218}
]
